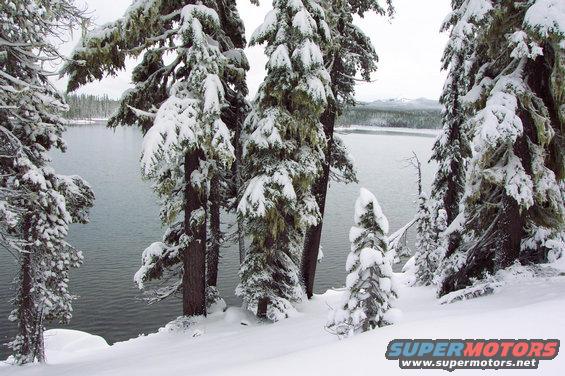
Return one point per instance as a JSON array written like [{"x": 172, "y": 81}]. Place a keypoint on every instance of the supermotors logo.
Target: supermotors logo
[{"x": 452, "y": 354}]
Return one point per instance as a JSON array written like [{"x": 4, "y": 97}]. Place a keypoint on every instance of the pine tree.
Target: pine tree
[
  {"x": 283, "y": 149},
  {"x": 429, "y": 226},
  {"x": 452, "y": 149},
  {"x": 350, "y": 53},
  {"x": 37, "y": 205},
  {"x": 186, "y": 106},
  {"x": 513, "y": 204},
  {"x": 369, "y": 286}
]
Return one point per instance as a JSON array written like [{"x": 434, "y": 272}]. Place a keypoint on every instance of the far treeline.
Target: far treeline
[
  {"x": 86, "y": 106},
  {"x": 396, "y": 118}
]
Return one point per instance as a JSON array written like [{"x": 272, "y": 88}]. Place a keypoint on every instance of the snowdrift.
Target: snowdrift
[{"x": 234, "y": 343}]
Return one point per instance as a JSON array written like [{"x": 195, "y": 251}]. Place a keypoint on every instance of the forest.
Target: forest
[
  {"x": 397, "y": 118},
  {"x": 89, "y": 106},
  {"x": 492, "y": 221}
]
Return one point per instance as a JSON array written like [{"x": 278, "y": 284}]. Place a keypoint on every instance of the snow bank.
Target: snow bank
[
  {"x": 62, "y": 344},
  {"x": 234, "y": 343}
]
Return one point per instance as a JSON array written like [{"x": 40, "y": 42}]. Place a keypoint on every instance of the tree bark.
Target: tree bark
[
  {"x": 194, "y": 260},
  {"x": 26, "y": 312},
  {"x": 320, "y": 190},
  {"x": 213, "y": 253},
  {"x": 262, "y": 306},
  {"x": 511, "y": 229},
  {"x": 238, "y": 184}
]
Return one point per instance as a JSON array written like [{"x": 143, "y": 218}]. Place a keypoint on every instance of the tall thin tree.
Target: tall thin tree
[
  {"x": 283, "y": 150},
  {"x": 37, "y": 205},
  {"x": 350, "y": 53}
]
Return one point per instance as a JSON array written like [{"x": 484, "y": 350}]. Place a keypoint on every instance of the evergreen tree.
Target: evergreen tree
[
  {"x": 513, "y": 204},
  {"x": 369, "y": 287},
  {"x": 283, "y": 149},
  {"x": 350, "y": 53},
  {"x": 187, "y": 106},
  {"x": 452, "y": 149},
  {"x": 429, "y": 227},
  {"x": 37, "y": 205}
]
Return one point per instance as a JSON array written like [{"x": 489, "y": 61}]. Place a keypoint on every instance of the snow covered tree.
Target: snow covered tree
[
  {"x": 37, "y": 205},
  {"x": 513, "y": 205},
  {"x": 452, "y": 148},
  {"x": 283, "y": 152},
  {"x": 427, "y": 256},
  {"x": 349, "y": 54},
  {"x": 189, "y": 89},
  {"x": 369, "y": 286}
]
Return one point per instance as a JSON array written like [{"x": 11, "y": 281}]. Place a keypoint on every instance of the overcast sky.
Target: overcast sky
[{"x": 409, "y": 47}]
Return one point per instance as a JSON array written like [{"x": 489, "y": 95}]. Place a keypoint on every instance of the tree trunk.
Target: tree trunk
[
  {"x": 262, "y": 306},
  {"x": 238, "y": 184},
  {"x": 194, "y": 261},
  {"x": 213, "y": 254},
  {"x": 26, "y": 312},
  {"x": 511, "y": 229},
  {"x": 30, "y": 329},
  {"x": 320, "y": 189}
]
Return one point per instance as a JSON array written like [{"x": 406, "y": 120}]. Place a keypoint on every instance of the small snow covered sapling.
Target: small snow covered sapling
[
  {"x": 428, "y": 249},
  {"x": 369, "y": 286}
]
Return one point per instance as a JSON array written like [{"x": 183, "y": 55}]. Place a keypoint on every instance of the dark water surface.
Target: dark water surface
[{"x": 125, "y": 220}]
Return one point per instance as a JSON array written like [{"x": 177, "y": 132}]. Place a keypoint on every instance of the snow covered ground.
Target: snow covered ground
[{"x": 233, "y": 343}]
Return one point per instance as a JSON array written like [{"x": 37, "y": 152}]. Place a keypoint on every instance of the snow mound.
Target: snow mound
[
  {"x": 236, "y": 315},
  {"x": 62, "y": 344},
  {"x": 73, "y": 341}
]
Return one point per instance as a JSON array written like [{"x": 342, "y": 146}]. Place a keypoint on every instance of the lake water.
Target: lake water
[{"x": 125, "y": 220}]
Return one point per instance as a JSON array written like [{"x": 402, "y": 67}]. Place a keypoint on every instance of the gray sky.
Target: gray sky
[{"x": 409, "y": 47}]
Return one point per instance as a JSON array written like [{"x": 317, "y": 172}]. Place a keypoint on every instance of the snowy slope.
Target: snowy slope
[{"x": 531, "y": 308}]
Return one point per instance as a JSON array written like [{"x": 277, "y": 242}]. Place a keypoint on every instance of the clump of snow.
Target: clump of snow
[
  {"x": 547, "y": 17},
  {"x": 236, "y": 315},
  {"x": 320, "y": 254},
  {"x": 62, "y": 344},
  {"x": 280, "y": 59},
  {"x": 148, "y": 258},
  {"x": 182, "y": 324},
  {"x": 369, "y": 257},
  {"x": 393, "y": 316},
  {"x": 365, "y": 198}
]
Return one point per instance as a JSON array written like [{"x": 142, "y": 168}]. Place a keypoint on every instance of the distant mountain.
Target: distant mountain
[
  {"x": 406, "y": 113},
  {"x": 405, "y": 104}
]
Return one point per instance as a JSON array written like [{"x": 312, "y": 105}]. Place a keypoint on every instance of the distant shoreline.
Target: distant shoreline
[
  {"x": 423, "y": 132},
  {"x": 86, "y": 121}
]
